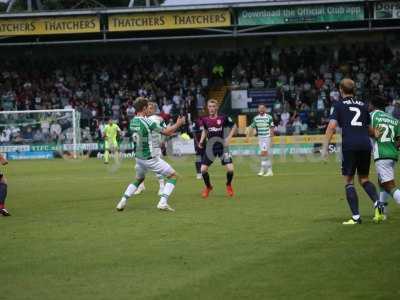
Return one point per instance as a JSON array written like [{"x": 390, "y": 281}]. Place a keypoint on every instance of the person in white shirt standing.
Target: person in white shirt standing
[
  {"x": 157, "y": 143},
  {"x": 264, "y": 125}
]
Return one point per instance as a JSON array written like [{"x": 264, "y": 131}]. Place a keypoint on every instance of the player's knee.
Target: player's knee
[
  {"x": 388, "y": 186},
  {"x": 363, "y": 180},
  {"x": 349, "y": 179},
  {"x": 204, "y": 169},
  {"x": 172, "y": 176},
  {"x": 229, "y": 167},
  {"x": 139, "y": 179}
]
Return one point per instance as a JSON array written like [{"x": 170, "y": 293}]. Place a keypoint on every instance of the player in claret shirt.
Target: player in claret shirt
[{"x": 218, "y": 131}]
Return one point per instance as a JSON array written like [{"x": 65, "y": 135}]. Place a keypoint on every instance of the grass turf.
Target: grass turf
[{"x": 278, "y": 238}]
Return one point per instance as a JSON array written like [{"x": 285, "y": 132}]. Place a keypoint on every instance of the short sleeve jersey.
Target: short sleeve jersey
[
  {"x": 353, "y": 117},
  {"x": 263, "y": 123},
  {"x": 385, "y": 146},
  {"x": 142, "y": 129},
  {"x": 157, "y": 136},
  {"x": 217, "y": 128}
]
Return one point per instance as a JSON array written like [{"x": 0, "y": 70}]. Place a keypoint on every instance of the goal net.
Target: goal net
[{"x": 32, "y": 133}]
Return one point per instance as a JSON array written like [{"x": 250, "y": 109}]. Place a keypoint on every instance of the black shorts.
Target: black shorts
[
  {"x": 199, "y": 151},
  {"x": 209, "y": 157},
  {"x": 356, "y": 161}
]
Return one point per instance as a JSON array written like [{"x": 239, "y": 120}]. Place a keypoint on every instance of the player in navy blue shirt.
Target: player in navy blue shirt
[
  {"x": 196, "y": 130},
  {"x": 352, "y": 116}
]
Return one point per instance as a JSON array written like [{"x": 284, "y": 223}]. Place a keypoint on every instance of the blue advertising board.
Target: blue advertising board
[{"x": 20, "y": 155}]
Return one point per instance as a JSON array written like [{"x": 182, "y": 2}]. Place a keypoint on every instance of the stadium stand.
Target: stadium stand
[{"x": 99, "y": 87}]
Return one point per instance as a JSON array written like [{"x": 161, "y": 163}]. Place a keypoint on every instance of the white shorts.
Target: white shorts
[
  {"x": 156, "y": 165},
  {"x": 385, "y": 170},
  {"x": 264, "y": 143}
]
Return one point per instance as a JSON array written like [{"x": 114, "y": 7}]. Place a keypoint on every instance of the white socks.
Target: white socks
[
  {"x": 266, "y": 164},
  {"x": 396, "y": 196},
  {"x": 160, "y": 181},
  {"x": 383, "y": 195},
  {"x": 130, "y": 190},
  {"x": 169, "y": 187}
]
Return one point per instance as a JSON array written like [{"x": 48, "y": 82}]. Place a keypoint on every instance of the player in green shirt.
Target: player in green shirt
[
  {"x": 264, "y": 125},
  {"x": 386, "y": 143},
  {"x": 157, "y": 144},
  {"x": 142, "y": 129},
  {"x": 110, "y": 134}
]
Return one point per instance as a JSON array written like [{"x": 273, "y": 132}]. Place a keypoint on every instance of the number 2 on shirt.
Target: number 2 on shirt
[{"x": 354, "y": 121}]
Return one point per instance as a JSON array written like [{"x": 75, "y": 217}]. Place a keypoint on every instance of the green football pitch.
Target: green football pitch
[{"x": 278, "y": 238}]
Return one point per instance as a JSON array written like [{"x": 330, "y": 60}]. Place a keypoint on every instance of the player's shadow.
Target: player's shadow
[{"x": 327, "y": 220}]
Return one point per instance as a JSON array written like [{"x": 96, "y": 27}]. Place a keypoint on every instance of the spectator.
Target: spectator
[
  {"x": 334, "y": 94},
  {"x": 55, "y": 131},
  {"x": 285, "y": 117},
  {"x": 305, "y": 81},
  {"x": 28, "y": 134},
  {"x": 130, "y": 111},
  {"x": 5, "y": 136},
  {"x": 166, "y": 109},
  {"x": 38, "y": 136},
  {"x": 297, "y": 126}
]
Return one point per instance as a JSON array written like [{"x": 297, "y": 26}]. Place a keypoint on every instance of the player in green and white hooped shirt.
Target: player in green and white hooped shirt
[
  {"x": 386, "y": 142},
  {"x": 146, "y": 160},
  {"x": 264, "y": 125},
  {"x": 157, "y": 139}
]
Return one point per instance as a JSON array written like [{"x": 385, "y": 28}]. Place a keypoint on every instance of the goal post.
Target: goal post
[{"x": 29, "y": 130}]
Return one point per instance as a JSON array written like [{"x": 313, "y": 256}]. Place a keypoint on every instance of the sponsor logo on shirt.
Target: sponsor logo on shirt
[{"x": 215, "y": 129}]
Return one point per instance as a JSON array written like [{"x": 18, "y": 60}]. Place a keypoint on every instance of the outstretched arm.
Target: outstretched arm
[{"x": 170, "y": 130}]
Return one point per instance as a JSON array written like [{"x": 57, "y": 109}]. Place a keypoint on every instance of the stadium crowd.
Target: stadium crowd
[{"x": 99, "y": 87}]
